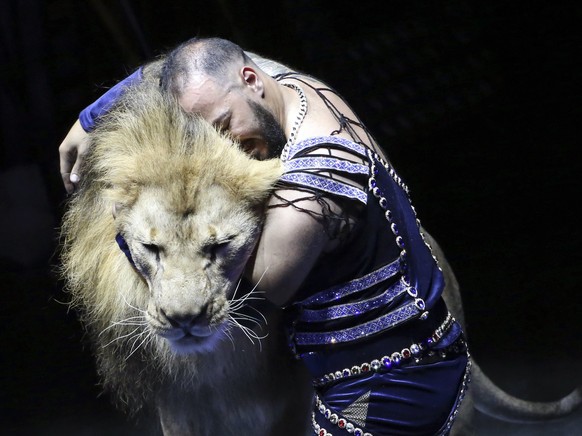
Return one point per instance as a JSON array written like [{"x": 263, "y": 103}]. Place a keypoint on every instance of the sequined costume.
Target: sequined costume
[{"x": 386, "y": 356}]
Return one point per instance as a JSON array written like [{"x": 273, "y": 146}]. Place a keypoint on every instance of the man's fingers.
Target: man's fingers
[
  {"x": 76, "y": 171},
  {"x": 67, "y": 157},
  {"x": 71, "y": 152},
  {"x": 69, "y": 186}
]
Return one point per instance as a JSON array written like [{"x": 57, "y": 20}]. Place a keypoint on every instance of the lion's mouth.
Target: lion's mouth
[
  {"x": 187, "y": 333},
  {"x": 192, "y": 340},
  {"x": 189, "y": 340}
]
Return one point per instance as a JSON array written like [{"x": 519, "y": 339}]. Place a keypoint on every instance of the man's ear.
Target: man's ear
[{"x": 252, "y": 80}]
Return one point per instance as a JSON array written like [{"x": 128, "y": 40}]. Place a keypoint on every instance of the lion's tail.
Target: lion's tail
[{"x": 493, "y": 401}]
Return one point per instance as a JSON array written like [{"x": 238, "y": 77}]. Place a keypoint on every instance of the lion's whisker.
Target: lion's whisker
[
  {"x": 228, "y": 334},
  {"x": 120, "y": 337},
  {"x": 240, "y": 301},
  {"x": 132, "y": 306},
  {"x": 151, "y": 338},
  {"x": 260, "y": 313},
  {"x": 242, "y": 316},
  {"x": 131, "y": 321},
  {"x": 235, "y": 316},
  {"x": 135, "y": 348},
  {"x": 242, "y": 328},
  {"x": 247, "y": 297},
  {"x": 255, "y": 334},
  {"x": 252, "y": 291},
  {"x": 239, "y": 304},
  {"x": 236, "y": 289},
  {"x": 248, "y": 332}
]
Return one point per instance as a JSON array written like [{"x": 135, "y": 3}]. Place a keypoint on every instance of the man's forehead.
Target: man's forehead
[{"x": 202, "y": 95}]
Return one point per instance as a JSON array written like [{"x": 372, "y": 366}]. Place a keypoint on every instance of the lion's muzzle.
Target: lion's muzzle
[
  {"x": 194, "y": 325},
  {"x": 187, "y": 331}
]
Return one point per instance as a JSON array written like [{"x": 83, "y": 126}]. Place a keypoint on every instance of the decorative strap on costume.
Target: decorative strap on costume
[
  {"x": 385, "y": 322},
  {"x": 449, "y": 329},
  {"x": 305, "y": 170},
  {"x": 338, "y": 292},
  {"x": 326, "y": 185},
  {"x": 301, "y": 146},
  {"x": 351, "y": 309},
  {"x": 325, "y": 163},
  {"x": 383, "y": 307}
]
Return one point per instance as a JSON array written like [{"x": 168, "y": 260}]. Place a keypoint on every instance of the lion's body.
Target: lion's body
[{"x": 159, "y": 171}]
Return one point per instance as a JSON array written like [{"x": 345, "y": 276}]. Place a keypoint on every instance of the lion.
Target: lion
[
  {"x": 154, "y": 246},
  {"x": 174, "y": 328}
]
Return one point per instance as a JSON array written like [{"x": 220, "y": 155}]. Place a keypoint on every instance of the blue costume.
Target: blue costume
[{"x": 386, "y": 356}]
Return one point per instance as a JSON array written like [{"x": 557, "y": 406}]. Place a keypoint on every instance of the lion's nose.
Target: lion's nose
[{"x": 195, "y": 324}]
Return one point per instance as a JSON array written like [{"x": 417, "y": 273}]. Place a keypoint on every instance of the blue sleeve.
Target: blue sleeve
[{"x": 91, "y": 113}]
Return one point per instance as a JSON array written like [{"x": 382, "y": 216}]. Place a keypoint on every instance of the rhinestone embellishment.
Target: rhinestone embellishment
[
  {"x": 393, "y": 360},
  {"x": 333, "y": 418},
  {"x": 298, "y": 121}
]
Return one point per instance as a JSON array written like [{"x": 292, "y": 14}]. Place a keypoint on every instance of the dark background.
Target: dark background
[{"x": 477, "y": 104}]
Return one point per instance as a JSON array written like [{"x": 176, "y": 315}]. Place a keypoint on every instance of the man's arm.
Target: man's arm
[
  {"x": 71, "y": 152},
  {"x": 292, "y": 240},
  {"x": 75, "y": 145},
  {"x": 73, "y": 148}
]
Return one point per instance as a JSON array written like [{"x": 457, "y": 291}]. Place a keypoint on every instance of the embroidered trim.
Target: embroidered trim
[
  {"x": 351, "y": 309},
  {"x": 325, "y": 163},
  {"x": 415, "y": 350},
  {"x": 320, "y": 140},
  {"x": 337, "y": 292},
  {"x": 385, "y": 322},
  {"x": 326, "y": 185}
]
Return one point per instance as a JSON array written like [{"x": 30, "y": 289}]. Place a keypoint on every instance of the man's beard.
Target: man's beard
[{"x": 272, "y": 131}]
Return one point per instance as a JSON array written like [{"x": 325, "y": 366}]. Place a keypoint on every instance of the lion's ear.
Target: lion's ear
[
  {"x": 119, "y": 199},
  {"x": 116, "y": 208}
]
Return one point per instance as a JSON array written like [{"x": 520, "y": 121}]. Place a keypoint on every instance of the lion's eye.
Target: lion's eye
[
  {"x": 217, "y": 248},
  {"x": 152, "y": 249}
]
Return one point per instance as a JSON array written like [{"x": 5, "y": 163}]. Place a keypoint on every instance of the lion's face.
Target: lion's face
[
  {"x": 189, "y": 204},
  {"x": 191, "y": 259}
]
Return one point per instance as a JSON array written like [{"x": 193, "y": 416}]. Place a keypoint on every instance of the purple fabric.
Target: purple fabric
[
  {"x": 414, "y": 400},
  {"x": 122, "y": 243},
  {"x": 408, "y": 400},
  {"x": 88, "y": 116}
]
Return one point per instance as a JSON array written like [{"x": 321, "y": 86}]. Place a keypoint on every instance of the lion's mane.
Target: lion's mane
[{"x": 145, "y": 139}]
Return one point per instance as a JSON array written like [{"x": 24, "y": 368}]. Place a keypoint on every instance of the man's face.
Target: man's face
[
  {"x": 273, "y": 134},
  {"x": 249, "y": 122}
]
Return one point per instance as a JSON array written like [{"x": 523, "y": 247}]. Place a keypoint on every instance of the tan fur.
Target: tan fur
[{"x": 157, "y": 170}]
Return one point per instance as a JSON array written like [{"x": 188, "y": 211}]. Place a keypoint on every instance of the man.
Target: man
[{"x": 341, "y": 249}]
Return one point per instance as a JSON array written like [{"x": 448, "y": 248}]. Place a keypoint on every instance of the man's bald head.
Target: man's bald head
[
  {"x": 214, "y": 78},
  {"x": 216, "y": 58}
]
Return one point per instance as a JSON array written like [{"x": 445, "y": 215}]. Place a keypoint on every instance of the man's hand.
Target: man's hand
[{"x": 71, "y": 152}]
